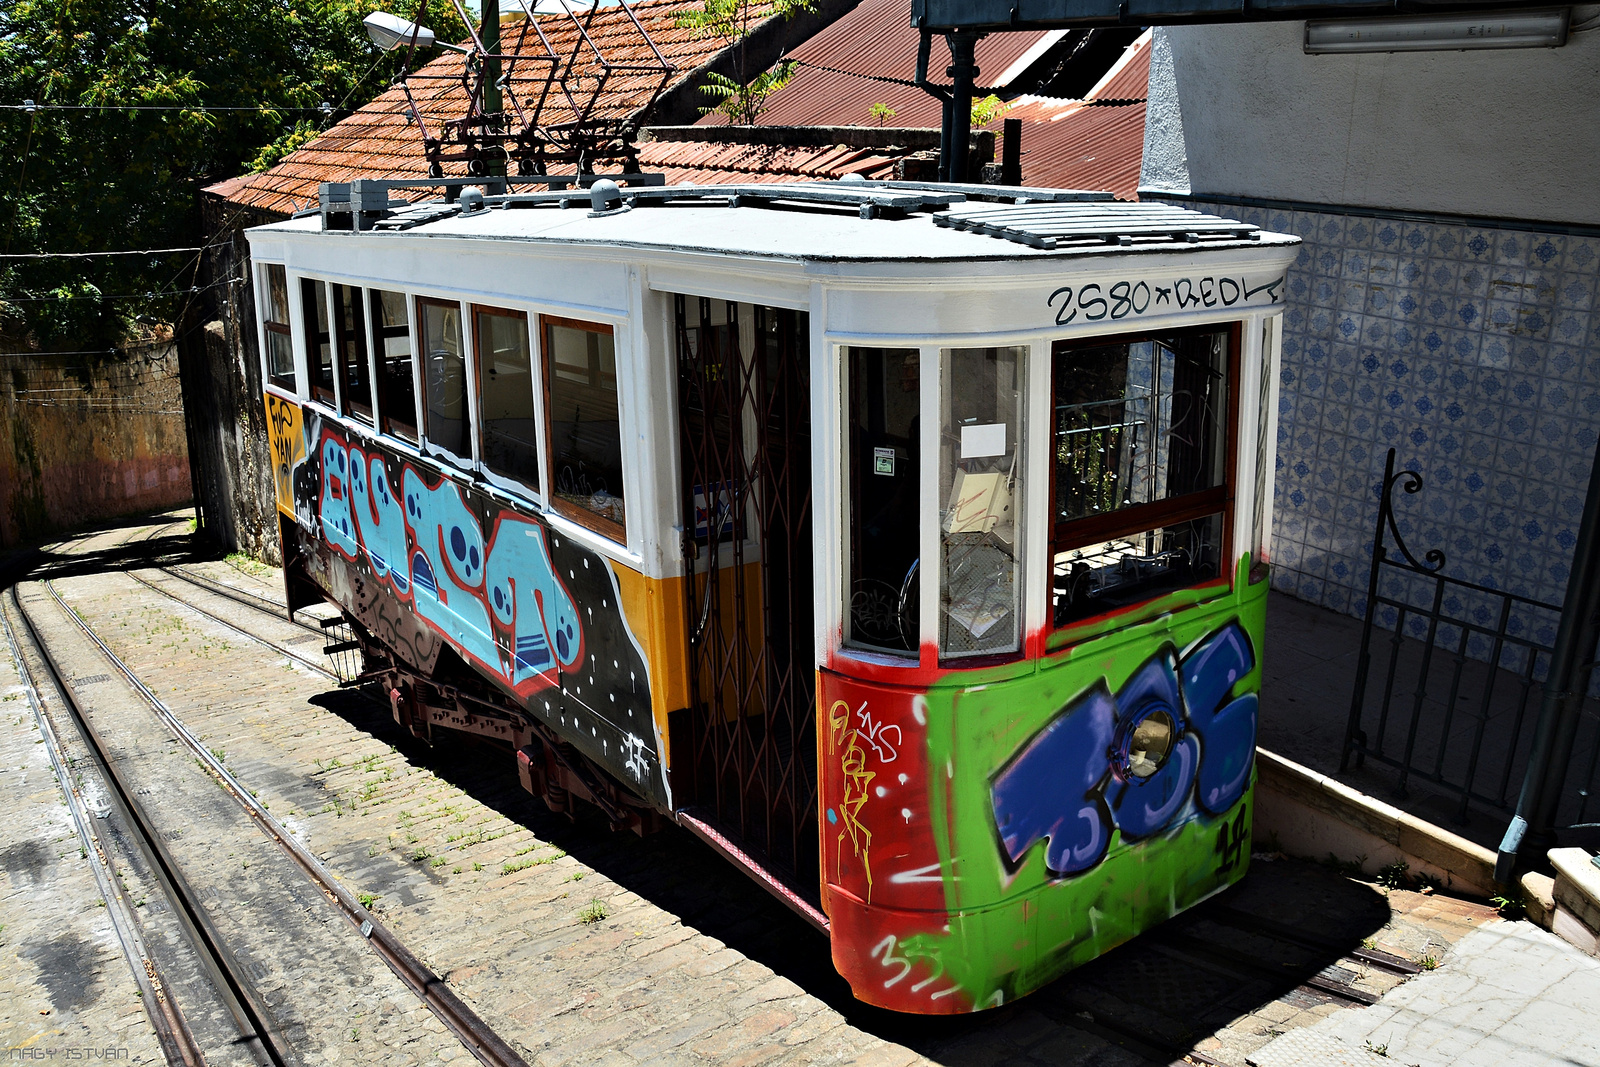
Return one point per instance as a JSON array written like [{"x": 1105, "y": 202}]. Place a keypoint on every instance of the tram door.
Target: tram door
[{"x": 745, "y": 441}]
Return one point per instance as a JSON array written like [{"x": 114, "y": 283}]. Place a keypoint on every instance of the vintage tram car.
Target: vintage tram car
[{"x": 907, "y": 543}]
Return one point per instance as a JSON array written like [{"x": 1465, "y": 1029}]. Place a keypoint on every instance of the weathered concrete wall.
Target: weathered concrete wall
[
  {"x": 1508, "y": 134},
  {"x": 222, "y": 390},
  {"x": 85, "y": 441}
]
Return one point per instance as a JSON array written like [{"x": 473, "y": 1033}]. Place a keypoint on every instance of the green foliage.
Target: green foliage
[
  {"x": 1511, "y": 904},
  {"x": 881, "y": 112},
  {"x": 987, "y": 110},
  {"x": 742, "y": 98},
  {"x": 593, "y": 912},
  {"x": 272, "y": 154},
  {"x": 1393, "y": 875},
  {"x": 104, "y": 175},
  {"x": 743, "y": 103}
]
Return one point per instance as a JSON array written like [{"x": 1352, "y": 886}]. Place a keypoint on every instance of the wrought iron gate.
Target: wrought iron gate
[
  {"x": 745, "y": 433},
  {"x": 1474, "y": 743}
]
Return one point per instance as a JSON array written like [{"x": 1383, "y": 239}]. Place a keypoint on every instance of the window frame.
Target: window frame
[
  {"x": 589, "y": 520},
  {"x": 270, "y": 328},
  {"x": 534, "y": 490},
  {"x": 336, "y": 339},
  {"x": 425, "y": 444},
  {"x": 376, "y": 336},
  {"x": 314, "y": 339},
  {"x": 1066, "y": 534}
]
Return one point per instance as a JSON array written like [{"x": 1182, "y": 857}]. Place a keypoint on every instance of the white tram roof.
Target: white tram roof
[{"x": 815, "y": 222}]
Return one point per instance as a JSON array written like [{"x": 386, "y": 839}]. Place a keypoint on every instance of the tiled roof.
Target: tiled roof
[
  {"x": 719, "y": 162},
  {"x": 1076, "y": 144},
  {"x": 377, "y": 142},
  {"x": 875, "y": 39}
]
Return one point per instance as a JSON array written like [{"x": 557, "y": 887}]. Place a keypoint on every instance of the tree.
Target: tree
[
  {"x": 140, "y": 104},
  {"x": 881, "y": 112},
  {"x": 742, "y": 98}
]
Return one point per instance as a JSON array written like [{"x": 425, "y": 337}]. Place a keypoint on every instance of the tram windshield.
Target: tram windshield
[
  {"x": 1140, "y": 444},
  {"x": 980, "y": 392},
  {"x": 885, "y": 516}
]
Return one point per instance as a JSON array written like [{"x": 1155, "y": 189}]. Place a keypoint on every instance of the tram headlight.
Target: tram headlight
[{"x": 1150, "y": 744}]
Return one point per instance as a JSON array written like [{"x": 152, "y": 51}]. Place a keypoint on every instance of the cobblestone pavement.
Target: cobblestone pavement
[
  {"x": 583, "y": 946},
  {"x": 65, "y": 985}
]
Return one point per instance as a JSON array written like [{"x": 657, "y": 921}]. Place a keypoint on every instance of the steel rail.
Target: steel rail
[
  {"x": 257, "y": 1029},
  {"x": 309, "y": 664},
  {"x": 473, "y": 1032},
  {"x": 172, "y": 1031}
]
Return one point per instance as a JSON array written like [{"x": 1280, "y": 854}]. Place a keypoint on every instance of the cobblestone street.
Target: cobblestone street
[{"x": 576, "y": 944}]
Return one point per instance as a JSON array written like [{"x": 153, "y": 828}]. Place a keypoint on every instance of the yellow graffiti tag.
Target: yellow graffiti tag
[
  {"x": 853, "y": 764},
  {"x": 288, "y": 448}
]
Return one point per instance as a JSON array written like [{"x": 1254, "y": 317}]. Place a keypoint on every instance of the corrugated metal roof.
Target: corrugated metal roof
[
  {"x": 377, "y": 142},
  {"x": 1075, "y": 144},
  {"x": 1129, "y": 76},
  {"x": 876, "y": 39},
  {"x": 719, "y": 162}
]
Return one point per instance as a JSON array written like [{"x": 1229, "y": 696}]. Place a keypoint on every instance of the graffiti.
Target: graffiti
[
  {"x": 287, "y": 446},
  {"x": 884, "y": 951},
  {"x": 635, "y": 761},
  {"x": 1232, "y": 840},
  {"x": 877, "y": 735},
  {"x": 1085, "y": 773},
  {"x": 424, "y": 562},
  {"x": 853, "y": 765},
  {"x": 1125, "y": 299}
]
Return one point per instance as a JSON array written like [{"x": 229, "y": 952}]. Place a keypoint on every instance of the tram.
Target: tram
[{"x": 907, "y": 543}]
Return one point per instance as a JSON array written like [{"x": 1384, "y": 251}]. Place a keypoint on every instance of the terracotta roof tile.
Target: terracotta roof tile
[
  {"x": 720, "y": 162},
  {"x": 377, "y": 142}
]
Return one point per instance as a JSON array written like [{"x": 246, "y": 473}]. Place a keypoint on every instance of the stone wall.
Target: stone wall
[
  {"x": 222, "y": 390},
  {"x": 88, "y": 438}
]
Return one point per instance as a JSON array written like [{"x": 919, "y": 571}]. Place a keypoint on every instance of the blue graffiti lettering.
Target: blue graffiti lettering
[{"x": 1077, "y": 778}]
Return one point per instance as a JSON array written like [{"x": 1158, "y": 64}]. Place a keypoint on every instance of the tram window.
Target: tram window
[
  {"x": 885, "y": 517},
  {"x": 397, "y": 387},
  {"x": 350, "y": 352},
  {"x": 275, "y": 317},
  {"x": 584, "y": 424},
  {"x": 505, "y": 381},
  {"x": 1140, "y": 443},
  {"x": 980, "y": 465},
  {"x": 319, "y": 346},
  {"x": 444, "y": 376}
]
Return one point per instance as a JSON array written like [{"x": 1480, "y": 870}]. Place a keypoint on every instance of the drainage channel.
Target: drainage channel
[{"x": 478, "y": 1038}]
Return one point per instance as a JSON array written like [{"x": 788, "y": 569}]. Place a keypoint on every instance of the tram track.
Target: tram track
[
  {"x": 1180, "y": 938},
  {"x": 257, "y": 1032},
  {"x": 256, "y": 1021},
  {"x": 1148, "y": 1030}
]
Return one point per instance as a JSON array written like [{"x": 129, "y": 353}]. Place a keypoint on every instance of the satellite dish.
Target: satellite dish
[{"x": 389, "y": 32}]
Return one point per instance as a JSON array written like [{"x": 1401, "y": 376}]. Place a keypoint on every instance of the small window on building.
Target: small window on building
[
  {"x": 980, "y": 474},
  {"x": 397, "y": 384},
  {"x": 275, "y": 317},
  {"x": 507, "y": 392},
  {"x": 444, "y": 374},
  {"x": 585, "y": 425},
  {"x": 885, "y": 529},
  {"x": 350, "y": 348},
  {"x": 1140, "y": 448},
  {"x": 319, "y": 344}
]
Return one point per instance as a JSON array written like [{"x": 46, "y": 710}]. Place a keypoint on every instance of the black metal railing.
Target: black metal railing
[{"x": 1457, "y": 698}]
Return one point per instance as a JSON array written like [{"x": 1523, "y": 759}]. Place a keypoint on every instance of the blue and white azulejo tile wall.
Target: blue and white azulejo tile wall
[{"x": 1475, "y": 353}]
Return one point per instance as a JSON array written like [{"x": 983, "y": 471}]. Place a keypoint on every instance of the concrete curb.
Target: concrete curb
[
  {"x": 1310, "y": 814},
  {"x": 1577, "y": 899}
]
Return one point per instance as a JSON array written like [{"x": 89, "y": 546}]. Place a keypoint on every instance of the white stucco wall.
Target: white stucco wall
[{"x": 1242, "y": 110}]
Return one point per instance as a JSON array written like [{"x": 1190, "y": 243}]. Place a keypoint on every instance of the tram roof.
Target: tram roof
[{"x": 821, "y": 222}]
